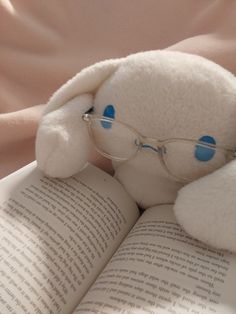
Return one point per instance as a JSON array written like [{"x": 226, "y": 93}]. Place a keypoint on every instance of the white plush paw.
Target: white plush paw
[{"x": 206, "y": 208}]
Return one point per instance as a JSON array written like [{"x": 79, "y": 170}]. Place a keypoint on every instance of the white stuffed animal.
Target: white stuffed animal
[{"x": 168, "y": 121}]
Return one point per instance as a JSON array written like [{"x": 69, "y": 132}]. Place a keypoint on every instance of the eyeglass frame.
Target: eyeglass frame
[{"x": 230, "y": 153}]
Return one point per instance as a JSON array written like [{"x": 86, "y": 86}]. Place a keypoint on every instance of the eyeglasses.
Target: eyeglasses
[{"x": 180, "y": 157}]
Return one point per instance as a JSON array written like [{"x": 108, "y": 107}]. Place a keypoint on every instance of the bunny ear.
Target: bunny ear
[
  {"x": 86, "y": 81},
  {"x": 62, "y": 141},
  {"x": 206, "y": 208}
]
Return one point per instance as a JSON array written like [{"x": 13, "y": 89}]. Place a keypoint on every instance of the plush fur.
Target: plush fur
[{"x": 162, "y": 94}]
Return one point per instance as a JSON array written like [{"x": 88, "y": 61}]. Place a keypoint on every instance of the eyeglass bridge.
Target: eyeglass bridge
[{"x": 148, "y": 143}]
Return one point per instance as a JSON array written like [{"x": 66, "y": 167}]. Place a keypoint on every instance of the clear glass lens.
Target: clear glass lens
[
  {"x": 186, "y": 160},
  {"x": 113, "y": 139},
  {"x": 192, "y": 160}
]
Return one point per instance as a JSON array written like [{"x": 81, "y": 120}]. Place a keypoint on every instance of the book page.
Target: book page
[
  {"x": 160, "y": 269},
  {"x": 56, "y": 236}
]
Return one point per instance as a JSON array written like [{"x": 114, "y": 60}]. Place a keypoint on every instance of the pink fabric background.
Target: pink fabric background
[{"x": 44, "y": 43}]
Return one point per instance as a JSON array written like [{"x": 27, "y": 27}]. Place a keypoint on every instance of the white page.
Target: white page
[
  {"x": 56, "y": 236},
  {"x": 160, "y": 269}
]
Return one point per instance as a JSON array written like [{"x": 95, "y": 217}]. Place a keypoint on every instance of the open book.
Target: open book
[{"x": 79, "y": 245}]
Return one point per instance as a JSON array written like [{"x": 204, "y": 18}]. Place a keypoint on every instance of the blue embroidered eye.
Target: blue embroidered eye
[
  {"x": 108, "y": 112},
  {"x": 205, "y": 153}
]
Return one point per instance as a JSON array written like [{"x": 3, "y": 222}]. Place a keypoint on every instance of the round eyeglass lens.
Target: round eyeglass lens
[
  {"x": 113, "y": 139},
  {"x": 192, "y": 160}
]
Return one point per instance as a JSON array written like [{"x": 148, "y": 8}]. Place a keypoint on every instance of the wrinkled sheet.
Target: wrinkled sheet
[{"x": 44, "y": 43}]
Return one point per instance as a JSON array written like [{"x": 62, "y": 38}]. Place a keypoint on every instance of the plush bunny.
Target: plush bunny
[{"x": 168, "y": 120}]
